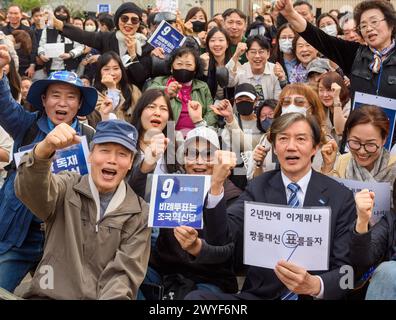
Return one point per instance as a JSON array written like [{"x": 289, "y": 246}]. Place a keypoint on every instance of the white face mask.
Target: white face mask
[
  {"x": 293, "y": 108},
  {"x": 285, "y": 45},
  {"x": 330, "y": 30},
  {"x": 90, "y": 28}
]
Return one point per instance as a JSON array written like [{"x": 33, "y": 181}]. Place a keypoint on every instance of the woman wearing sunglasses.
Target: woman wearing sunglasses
[
  {"x": 370, "y": 67},
  {"x": 182, "y": 252},
  {"x": 296, "y": 97},
  {"x": 366, "y": 131},
  {"x": 131, "y": 46}
]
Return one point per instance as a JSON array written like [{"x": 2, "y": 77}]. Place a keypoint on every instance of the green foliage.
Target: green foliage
[{"x": 27, "y": 5}]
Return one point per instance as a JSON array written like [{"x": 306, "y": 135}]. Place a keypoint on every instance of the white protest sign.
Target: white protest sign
[
  {"x": 103, "y": 8},
  {"x": 382, "y": 190},
  {"x": 54, "y": 50},
  {"x": 178, "y": 199},
  {"x": 274, "y": 232},
  {"x": 167, "y": 5}
]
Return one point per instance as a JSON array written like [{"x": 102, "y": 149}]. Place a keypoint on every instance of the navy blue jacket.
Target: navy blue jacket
[
  {"x": 15, "y": 218},
  {"x": 262, "y": 283}
]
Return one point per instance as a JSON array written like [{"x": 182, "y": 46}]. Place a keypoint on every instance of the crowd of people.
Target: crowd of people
[{"x": 262, "y": 104}]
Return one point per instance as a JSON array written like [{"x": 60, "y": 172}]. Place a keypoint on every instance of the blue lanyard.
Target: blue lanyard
[
  {"x": 51, "y": 126},
  {"x": 379, "y": 80}
]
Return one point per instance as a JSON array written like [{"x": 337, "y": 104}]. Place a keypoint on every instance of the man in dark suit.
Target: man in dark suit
[{"x": 295, "y": 140}]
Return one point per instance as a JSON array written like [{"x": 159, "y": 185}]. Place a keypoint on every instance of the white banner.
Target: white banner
[
  {"x": 382, "y": 190},
  {"x": 274, "y": 232}
]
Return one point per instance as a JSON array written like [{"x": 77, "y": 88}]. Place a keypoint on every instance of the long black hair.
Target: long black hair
[
  {"x": 212, "y": 82},
  {"x": 148, "y": 97},
  {"x": 125, "y": 88}
]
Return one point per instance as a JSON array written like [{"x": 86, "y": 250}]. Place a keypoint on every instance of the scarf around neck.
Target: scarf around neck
[
  {"x": 382, "y": 172},
  {"x": 380, "y": 56}
]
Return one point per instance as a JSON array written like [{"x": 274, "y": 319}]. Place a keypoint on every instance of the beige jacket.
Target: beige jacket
[{"x": 89, "y": 258}]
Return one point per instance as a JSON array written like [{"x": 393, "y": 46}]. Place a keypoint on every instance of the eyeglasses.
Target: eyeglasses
[
  {"x": 259, "y": 52},
  {"x": 374, "y": 24},
  {"x": 206, "y": 154},
  {"x": 368, "y": 147},
  {"x": 125, "y": 19},
  {"x": 298, "y": 101}
]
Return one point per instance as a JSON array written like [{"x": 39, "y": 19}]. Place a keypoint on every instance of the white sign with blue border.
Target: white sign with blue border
[
  {"x": 382, "y": 190},
  {"x": 166, "y": 37},
  {"x": 104, "y": 8},
  {"x": 178, "y": 200},
  {"x": 387, "y": 104},
  {"x": 73, "y": 158}
]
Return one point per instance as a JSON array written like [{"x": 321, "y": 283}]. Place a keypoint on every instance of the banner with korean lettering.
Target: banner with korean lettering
[
  {"x": 299, "y": 235},
  {"x": 382, "y": 190},
  {"x": 177, "y": 200},
  {"x": 73, "y": 158},
  {"x": 166, "y": 37}
]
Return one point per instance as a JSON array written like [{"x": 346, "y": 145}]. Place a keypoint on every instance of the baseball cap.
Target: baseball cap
[
  {"x": 116, "y": 131},
  {"x": 203, "y": 133},
  {"x": 245, "y": 89},
  {"x": 319, "y": 65}
]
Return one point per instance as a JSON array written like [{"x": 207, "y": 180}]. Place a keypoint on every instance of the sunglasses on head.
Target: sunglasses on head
[{"x": 125, "y": 19}]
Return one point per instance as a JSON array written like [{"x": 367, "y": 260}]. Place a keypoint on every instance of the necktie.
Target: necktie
[
  {"x": 294, "y": 203},
  {"x": 293, "y": 200}
]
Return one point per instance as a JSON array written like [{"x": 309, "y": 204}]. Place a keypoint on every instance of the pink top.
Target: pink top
[{"x": 184, "y": 123}]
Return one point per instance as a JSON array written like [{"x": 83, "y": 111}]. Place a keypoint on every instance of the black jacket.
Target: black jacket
[
  {"x": 378, "y": 244},
  {"x": 25, "y": 60},
  {"x": 138, "y": 72},
  {"x": 354, "y": 59},
  {"x": 262, "y": 283}
]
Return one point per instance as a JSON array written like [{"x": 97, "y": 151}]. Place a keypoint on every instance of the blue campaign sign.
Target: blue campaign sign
[
  {"x": 177, "y": 200},
  {"x": 166, "y": 37},
  {"x": 104, "y": 8},
  {"x": 73, "y": 158}
]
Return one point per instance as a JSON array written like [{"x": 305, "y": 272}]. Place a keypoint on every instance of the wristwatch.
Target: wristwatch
[{"x": 337, "y": 105}]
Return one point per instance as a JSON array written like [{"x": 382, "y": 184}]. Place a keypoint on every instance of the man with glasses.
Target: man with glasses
[
  {"x": 58, "y": 99},
  {"x": 132, "y": 47}
]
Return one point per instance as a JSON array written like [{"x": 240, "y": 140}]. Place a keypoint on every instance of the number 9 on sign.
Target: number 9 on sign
[
  {"x": 166, "y": 30},
  {"x": 167, "y": 188}
]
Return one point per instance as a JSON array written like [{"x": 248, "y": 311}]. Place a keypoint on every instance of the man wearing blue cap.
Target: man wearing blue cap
[
  {"x": 58, "y": 99},
  {"x": 97, "y": 239}
]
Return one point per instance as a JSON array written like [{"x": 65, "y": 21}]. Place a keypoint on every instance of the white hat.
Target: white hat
[{"x": 203, "y": 133}]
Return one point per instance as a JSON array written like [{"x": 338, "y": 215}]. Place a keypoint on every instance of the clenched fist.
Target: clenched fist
[
  {"x": 329, "y": 155},
  {"x": 224, "y": 162},
  {"x": 364, "y": 208},
  {"x": 61, "y": 137}
]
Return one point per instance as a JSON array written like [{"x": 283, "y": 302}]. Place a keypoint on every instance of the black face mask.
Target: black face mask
[
  {"x": 61, "y": 17},
  {"x": 198, "y": 26},
  {"x": 245, "y": 108},
  {"x": 183, "y": 75},
  {"x": 266, "y": 124}
]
